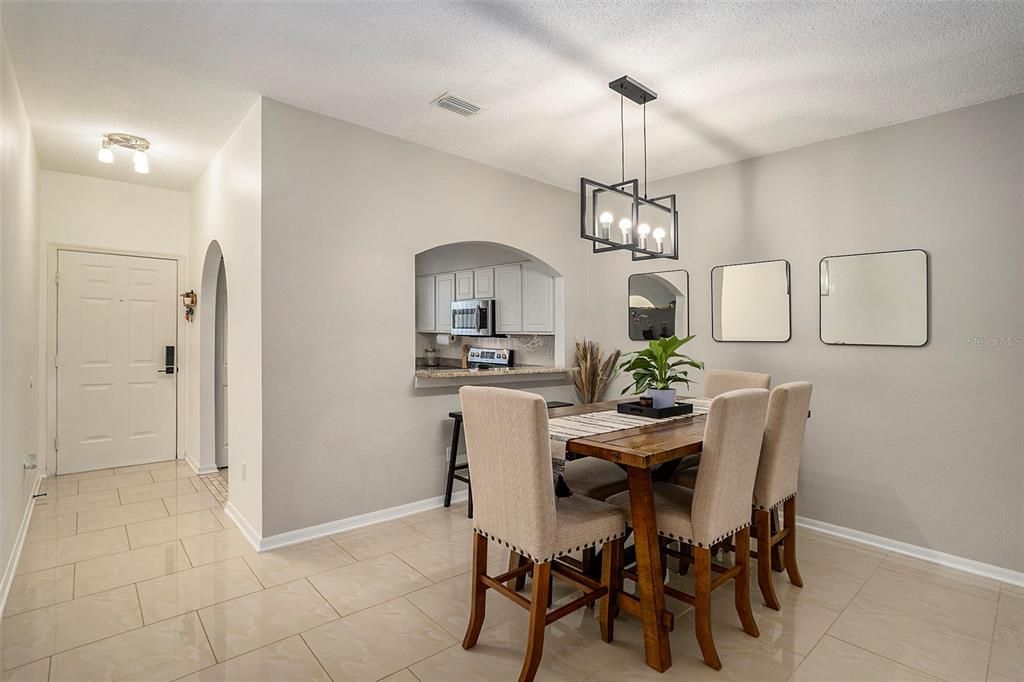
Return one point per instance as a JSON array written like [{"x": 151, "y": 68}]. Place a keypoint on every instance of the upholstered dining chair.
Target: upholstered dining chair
[
  {"x": 775, "y": 486},
  {"x": 776, "y": 483},
  {"x": 719, "y": 381},
  {"x": 509, "y": 452},
  {"x": 717, "y": 509}
]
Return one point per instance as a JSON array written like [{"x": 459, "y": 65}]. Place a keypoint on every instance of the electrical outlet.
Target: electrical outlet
[{"x": 243, "y": 471}]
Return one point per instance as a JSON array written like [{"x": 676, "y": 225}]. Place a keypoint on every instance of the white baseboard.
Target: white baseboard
[
  {"x": 208, "y": 469},
  {"x": 331, "y": 527},
  {"x": 12, "y": 563},
  {"x": 248, "y": 531},
  {"x": 984, "y": 570}
]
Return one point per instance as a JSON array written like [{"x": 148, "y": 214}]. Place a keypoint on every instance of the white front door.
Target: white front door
[{"x": 116, "y": 316}]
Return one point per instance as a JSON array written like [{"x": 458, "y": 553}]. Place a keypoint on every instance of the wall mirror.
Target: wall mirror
[
  {"x": 750, "y": 302},
  {"x": 659, "y": 305},
  {"x": 874, "y": 299}
]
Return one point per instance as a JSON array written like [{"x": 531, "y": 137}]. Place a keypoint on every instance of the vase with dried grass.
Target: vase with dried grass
[{"x": 593, "y": 371}]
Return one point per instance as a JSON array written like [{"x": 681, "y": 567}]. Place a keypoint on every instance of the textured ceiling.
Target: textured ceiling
[{"x": 735, "y": 79}]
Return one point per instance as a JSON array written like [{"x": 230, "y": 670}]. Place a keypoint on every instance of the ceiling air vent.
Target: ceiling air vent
[{"x": 456, "y": 105}]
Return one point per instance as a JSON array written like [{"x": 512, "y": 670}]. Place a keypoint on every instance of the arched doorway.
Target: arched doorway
[
  {"x": 221, "y": 371},
  {"x": 213, "y": 379}
]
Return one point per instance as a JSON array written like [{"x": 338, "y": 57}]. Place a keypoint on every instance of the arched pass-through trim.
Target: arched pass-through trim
[{"x": 207, "y": 358}]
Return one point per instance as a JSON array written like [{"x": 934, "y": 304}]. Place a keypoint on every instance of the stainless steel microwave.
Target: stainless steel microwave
[{"x": 473, "y": 318}]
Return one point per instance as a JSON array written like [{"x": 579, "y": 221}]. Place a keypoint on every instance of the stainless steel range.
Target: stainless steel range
[{"x": 489, "y": 358}]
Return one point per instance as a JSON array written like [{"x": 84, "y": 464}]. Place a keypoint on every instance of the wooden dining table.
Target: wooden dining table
[{"x": 648, "y": 453}]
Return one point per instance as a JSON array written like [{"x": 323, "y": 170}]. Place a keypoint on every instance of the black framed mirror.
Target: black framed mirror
[
  {"x": 659, "y": 305},
  {"x": 874, "y": 299},
  {"x": 751, "y": 302}
]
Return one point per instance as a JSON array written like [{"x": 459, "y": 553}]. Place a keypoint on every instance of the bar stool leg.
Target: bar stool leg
[{"x": 453, "y": 452}]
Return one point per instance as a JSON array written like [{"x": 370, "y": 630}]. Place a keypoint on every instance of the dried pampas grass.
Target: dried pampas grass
[{"x": 593, "y": 373}]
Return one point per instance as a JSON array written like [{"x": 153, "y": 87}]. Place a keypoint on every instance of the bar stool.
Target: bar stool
[{"x": 454, "y": 467}]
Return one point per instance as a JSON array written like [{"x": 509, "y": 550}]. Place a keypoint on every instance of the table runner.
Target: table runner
[{"x": 563, "y": 429}]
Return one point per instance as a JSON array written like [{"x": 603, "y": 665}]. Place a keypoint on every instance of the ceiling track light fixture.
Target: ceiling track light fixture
[
  {"x": 139, "y": 145},
  {"x": 639, "y": 219}
]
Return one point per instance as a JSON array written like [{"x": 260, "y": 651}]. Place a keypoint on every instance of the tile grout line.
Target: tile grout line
[
  {"x": 992, "y": 641},
  {"x": 829, "y": 631},
  {"x": 209, "y": 642}
]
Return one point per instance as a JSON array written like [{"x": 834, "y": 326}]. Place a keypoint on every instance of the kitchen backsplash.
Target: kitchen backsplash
[{"x": 526, "y": 348}]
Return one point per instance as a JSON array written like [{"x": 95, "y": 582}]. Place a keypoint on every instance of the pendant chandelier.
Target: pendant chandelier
[{"x": 615, "y": 216}]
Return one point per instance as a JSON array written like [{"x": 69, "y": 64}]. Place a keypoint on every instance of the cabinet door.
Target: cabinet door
[
  {"x": 464, "y": 285},
  {"x": 426, "y": 314},
  {"x": 443, "y": 302},
  {"x": 483, "y": 283},
  {"x": 508, "y": 299},
  {"x": 538, "y": 301}
]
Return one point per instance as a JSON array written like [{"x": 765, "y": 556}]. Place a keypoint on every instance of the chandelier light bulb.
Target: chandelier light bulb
[
  {"x": 643, "y": 229},
  {"x": 659, "y": 236},
  {"x": 106, "y": 155},
  {"x": 605, "y": 221},
  {"x": 626, "y": 225},
  {"x": 140, "y": 161}
]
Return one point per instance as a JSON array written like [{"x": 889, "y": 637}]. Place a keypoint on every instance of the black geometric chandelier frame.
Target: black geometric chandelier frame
[{"x": 615, "y": 217}]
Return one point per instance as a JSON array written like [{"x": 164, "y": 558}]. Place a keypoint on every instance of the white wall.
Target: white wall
[
  {"x": 106, "y": 215},
  {"x": 923, "y": 445},
  {"x": 225, "y": 206},
  {"x": 19, "y": 314},
  {"x": 345, "y": 211},
  {"x": 84, "y": 211}
]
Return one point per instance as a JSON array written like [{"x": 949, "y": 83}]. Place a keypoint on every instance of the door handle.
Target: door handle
[{"x": 165, "y": 370}]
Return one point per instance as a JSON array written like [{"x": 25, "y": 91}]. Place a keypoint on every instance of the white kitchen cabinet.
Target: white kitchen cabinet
[
  {"x": 444, "y": 295},
  {"x": 508, "y": 299},
  {"x": 464, "y": 285},
  {"x": 538, "y": 301},
  {"x": 426, "y": 313},
  {"x": 483, "y": 283}
]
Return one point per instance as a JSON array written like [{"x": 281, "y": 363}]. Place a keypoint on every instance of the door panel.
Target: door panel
[
  {"x": 115, "y": 316},
  {"x": 464, "y": 285},
  {"x": 445, "y": 288},
  {"x": 508, "y": 298}
]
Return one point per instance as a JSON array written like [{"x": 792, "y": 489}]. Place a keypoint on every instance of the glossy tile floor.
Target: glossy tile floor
[
  {"x": 217, "y": 484},
  {"x": 137, "y": 573}
]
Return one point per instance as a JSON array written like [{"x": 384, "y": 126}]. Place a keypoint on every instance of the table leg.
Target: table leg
[
  {"x": 650, "y": 583},
  {"x": 453, "y": 453}
]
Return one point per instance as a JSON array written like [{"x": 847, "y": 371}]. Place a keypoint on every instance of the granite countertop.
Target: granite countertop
[{"x": 424, "y": 372}]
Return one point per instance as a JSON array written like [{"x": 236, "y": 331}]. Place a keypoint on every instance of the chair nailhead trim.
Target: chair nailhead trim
[
  {"x": 551, "y": 558},
  {"x": 690, "y": 541},
  {"x": 761, "y": 507}
]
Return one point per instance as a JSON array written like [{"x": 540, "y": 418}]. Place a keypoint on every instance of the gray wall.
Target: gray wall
[
  {"x": 345, "y": 211},
  {"x": 923, "y": 445}
]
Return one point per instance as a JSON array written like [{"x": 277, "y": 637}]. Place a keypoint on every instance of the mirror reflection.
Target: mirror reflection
[
  {"x": 659, "y": 305},
  {"x": 874, "y": 299},
  {"x": 750, "y": 302}
]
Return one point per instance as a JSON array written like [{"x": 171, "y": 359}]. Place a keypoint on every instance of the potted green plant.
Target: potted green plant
[{"x": 657, "y": 368}]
